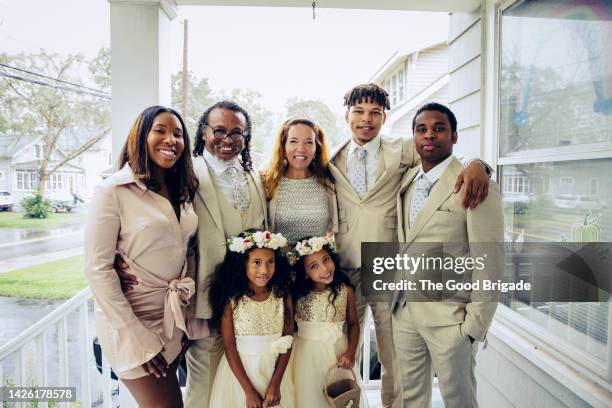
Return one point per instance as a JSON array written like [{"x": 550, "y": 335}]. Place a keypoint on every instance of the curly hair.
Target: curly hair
[
  {"x": 371, "y": 92},
  {"x": 198, "y": 148},
  {"x": 229, "y": 281},
  {"x": 303, "y": 284},
  {"x": 271, "y": 176},
  {"x": 181, "y": 180}
]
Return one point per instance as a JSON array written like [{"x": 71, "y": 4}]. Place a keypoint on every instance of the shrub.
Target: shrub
[{"x": 36, "y": 206}]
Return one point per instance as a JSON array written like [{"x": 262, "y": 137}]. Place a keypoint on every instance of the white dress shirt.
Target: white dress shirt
[
  {"x": 434, "y": 174},
  {"x": 373, "y": 149},
  {"x": 223, "y": 178}
]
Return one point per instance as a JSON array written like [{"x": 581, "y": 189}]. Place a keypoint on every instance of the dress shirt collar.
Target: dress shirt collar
[
  {"x": 219, "y": 166},
  {"x": 371, "y": 147},
  {"x": 126, "y": 176},
  {"x": 434, "y": 174}
]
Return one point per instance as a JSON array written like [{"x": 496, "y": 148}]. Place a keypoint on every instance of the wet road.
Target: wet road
[{"x": 18, "y": 243}]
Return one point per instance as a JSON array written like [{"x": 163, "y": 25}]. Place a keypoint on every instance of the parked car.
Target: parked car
[
  {"x": 6, "y": 201},
  {"x": 61, "y": 206},
  {"x": 583, "y": 202}
]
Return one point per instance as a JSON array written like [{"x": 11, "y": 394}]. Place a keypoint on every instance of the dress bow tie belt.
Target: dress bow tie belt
[{"x": 178, "y": 293}]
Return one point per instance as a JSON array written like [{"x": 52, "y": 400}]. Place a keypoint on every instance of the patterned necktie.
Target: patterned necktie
[
  {"x": 360, "y": 180},
  {"x": 423, "y": 187},
  {"x": 241, "y": 191}
]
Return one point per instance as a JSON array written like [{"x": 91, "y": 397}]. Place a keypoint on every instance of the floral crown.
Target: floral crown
[
  {"x": 259, "y": 239},
  {"x": 310, "y": 246}
]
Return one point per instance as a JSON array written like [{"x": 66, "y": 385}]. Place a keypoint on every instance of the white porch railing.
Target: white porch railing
[{"x": 32, "y": 346}]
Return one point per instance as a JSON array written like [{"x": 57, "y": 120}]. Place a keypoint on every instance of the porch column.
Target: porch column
[{"x": 142, "y": 56}]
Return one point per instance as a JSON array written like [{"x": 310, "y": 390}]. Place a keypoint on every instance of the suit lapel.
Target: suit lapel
[
  {"x": 390, "y": 155},
  {"x": 207, "y": 192},
  {"x": 338, "y": 169},
  {"x": 439, "y": 193},
  {"x": 262, "y": 194}
]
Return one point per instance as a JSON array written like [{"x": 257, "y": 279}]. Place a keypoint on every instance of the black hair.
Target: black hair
[
  {"x": 438, "y": 107},
  {"x": 303, "y": 284},
  {"x": 198, "y": 148},
  {"x": 371, "y": 92},
  {"x": 229, "y": 281},
  {"x": 181, "y": 180}
]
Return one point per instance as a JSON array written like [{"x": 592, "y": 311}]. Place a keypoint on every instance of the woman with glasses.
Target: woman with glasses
[{"x": 299, "y": 187}]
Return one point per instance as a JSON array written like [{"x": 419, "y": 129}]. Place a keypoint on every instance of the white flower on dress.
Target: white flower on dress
[
  {"x": 330, "y": 332},
  {"x": 281, "y": 345}
]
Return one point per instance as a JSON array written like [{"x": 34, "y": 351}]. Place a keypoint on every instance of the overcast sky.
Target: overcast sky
[{"x": 280, "y": 52}]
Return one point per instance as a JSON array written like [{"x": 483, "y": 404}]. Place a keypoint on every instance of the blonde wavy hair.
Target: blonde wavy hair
[{"x": 276, "y": 167}]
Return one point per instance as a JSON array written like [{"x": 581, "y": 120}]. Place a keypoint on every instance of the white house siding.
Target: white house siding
[
  {"x": 514, "y": 370},
  {"x": 403, "y": 126},
  {"x": 464, "y": 68},
  {"x": 431, "y": 64}
]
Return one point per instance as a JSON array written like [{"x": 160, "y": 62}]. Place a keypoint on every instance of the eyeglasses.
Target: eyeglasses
[{"x": 221, "y": 133}]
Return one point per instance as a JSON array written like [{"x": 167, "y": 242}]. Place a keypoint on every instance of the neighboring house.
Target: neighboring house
[
  {"x": 20, "y": 157},
  {"x": 412, "y": 79}
]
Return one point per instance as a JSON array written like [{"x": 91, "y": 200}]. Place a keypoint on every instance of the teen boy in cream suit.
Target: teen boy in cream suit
[
  {"x": 367, "y": 170},
  {"x": 441, "y": 337}
]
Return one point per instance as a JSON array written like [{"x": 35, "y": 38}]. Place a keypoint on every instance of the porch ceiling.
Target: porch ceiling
[{"x": 455, "y": 6}]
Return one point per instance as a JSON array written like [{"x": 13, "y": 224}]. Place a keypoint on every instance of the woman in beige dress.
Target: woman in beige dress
[
  {"x": 300, "y": 189},
  {"x": 143, "y": 214}
]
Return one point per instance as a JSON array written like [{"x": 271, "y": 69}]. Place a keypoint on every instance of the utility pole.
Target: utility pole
[{"x": 185, "y": 79}]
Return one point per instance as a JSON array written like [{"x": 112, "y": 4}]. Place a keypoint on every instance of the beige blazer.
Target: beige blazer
[
  {"x": 443, "y": 219},
  {"x": 211, "y": 231},
  {"x": 371, "y": 217},
  {"x": 332, "y": 204}
]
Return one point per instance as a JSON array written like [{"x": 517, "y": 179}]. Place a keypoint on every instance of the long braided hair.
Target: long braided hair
[{"x": 198, "y": 149}]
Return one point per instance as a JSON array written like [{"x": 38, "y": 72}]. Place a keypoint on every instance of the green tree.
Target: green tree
[
  {"x": 318, "y": 112},
  {"x": 200, "y": 97},
  {"x": 263, "y": 131},
  {"x": 51, "y": 107}
]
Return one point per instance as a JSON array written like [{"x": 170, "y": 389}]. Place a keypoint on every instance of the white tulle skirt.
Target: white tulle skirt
[
  {"x": 316, "y": 349},
  {"x": 258, "y": 355}
]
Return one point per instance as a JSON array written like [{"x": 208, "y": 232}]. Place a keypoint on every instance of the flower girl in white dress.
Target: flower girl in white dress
[
  {"x": 251, "y": 303},
  {"x": 324, "y": 301}
]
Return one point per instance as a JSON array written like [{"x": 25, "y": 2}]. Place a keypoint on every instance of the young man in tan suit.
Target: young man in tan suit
[
  {"x": 367, "y": 169},
  {"x": 230, "y": 199},
  {"x": 441, "y": 337}
]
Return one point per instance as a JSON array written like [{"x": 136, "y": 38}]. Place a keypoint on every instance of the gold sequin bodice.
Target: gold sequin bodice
[
  {"x": 317, "y": 307},
  {"x": 252, "y": 318}
]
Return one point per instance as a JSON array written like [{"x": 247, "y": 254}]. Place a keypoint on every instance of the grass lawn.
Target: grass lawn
[
  {"x": 60, "y": 279},
  {"x": 54, "y": 220}
]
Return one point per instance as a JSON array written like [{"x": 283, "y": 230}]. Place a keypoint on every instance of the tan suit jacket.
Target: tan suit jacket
[
  {"x": 211, "y": 231},
  {"x": 443, "y": 219},
  {"x": 332, "y": 204},
  {"x": 371, "y": 217}
]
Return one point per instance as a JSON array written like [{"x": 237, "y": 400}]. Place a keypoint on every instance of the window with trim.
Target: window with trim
[
  {"x": 555, "y": 150},
  {"x": 400, "y": 79},
  {"x": 394, "y": 89}
]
